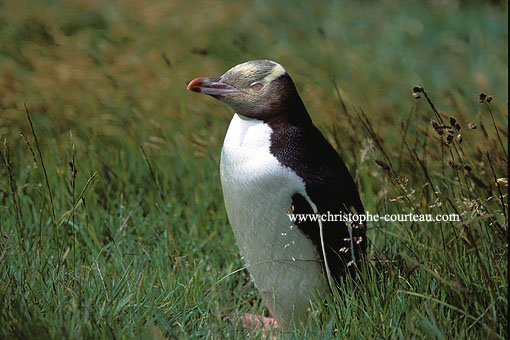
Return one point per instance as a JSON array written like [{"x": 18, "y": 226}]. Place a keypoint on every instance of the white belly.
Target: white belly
[{"x": 283, "y": 262}]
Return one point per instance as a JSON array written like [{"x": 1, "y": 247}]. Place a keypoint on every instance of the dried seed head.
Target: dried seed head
[
  {"x": 459, "y": 138},
  {"x": 29, "y": 147},
  {"x": 481, "y": 97},
  {"x": 382, "y": 165},
  {"x": 72, "y": 171},
  {"x": 436, "y": 127},
  {"x": 402, "y": 180},
  {"x": 453, "y": 121},
  {"x": 449, "y": 138},
  {"x": 472, "y": 126},
  {"x": 457, "y": 126},
  {"x": 467, "y": 168},
  {"x": 503, "y": 181},
  {"x": 489, "y": 99},
  {"x": 416, "y": 96},
  {"x": 417, "y": 89}
]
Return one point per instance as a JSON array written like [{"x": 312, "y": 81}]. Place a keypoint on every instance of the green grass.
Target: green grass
[{"x": 117, "y": 228}]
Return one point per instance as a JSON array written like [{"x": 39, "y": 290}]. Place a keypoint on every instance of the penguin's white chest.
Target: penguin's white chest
[{"x": 283, "y": 262}]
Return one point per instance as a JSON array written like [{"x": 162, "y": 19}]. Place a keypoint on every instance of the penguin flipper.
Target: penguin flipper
[{"x": 340, "y": 244}]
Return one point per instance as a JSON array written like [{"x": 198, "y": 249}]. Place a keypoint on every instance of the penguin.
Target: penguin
[{"x": 275, "y": 163}]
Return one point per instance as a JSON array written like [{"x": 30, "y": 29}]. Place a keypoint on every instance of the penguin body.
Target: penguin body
[
  {"x": 275, "y": 161},
  {"x": 283, "y": 263}
]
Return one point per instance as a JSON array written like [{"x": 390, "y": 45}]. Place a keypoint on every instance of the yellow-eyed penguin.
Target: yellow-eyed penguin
[{"x": 274, "y": 160}]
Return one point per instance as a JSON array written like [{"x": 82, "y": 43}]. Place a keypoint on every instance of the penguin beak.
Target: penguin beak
[{"x": 211, "y": 86}]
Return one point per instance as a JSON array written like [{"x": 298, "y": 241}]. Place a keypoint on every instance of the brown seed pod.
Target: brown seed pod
[
  {"x": 481, "y": 97},
  {"x": 436, "y": 127},
  {"x": 454, "y": 165},
  {"x": 382, "y": 165},
  {"x": 449, "y": 138},
  {"x": 417, "y": 89},
  {"x": 453, "y": 121},
  {"x": 489, "y": 99}
]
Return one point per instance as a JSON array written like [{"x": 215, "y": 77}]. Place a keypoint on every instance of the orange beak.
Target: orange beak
[{"x": 211, "y": 86}]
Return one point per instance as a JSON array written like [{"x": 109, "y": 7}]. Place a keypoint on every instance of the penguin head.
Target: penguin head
[{"x": 259, "y": 89}]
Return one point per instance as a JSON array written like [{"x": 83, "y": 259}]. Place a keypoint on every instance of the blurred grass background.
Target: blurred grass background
[{"x": 127, "y": 232}]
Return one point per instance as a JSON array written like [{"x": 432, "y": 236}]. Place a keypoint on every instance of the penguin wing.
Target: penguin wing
[{"x": 329, "y": 187}]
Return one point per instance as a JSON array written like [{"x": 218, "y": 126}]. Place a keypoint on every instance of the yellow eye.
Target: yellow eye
[{"x": 257, "y": 86}]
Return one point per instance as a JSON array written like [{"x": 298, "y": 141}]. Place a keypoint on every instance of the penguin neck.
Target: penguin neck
[{"x": 294, "y": 114}]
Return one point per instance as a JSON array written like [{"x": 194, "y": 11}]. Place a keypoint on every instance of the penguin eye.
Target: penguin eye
[{"x": 257, "y": 86}]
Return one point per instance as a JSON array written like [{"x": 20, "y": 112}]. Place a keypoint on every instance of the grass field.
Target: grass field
[{"x": 112, "y": 222}]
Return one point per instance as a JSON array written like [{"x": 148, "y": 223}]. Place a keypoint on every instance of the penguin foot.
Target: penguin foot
[{"x": 269, "y": 326}]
